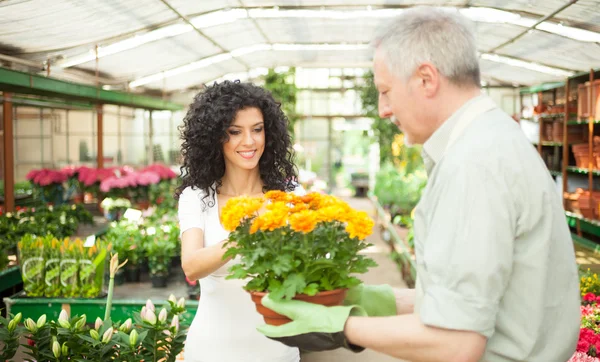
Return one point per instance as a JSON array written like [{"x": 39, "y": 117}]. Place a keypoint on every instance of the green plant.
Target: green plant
[
  {"x": 398, "y": 190},
  {"x": 60, "y": 221},
  {"x": 91, "y": 269},
  {"x": 115, "y": 204},
  {"x": 31, "y": 255},
  {"x": 159, "y": 249},
  {"x": 384, "y": 130},
  {"x": 300, "y": 245},
  {"x": 55, "y": 267},
  {"x": 154, "y": 336},
  {"x": 589, "y": 282},
  {"x": 52, "y": 257},
  {"x": 71, "y": 251},
  {"x": 9, "y": 336},
  {"x": 283, "y": 88}
]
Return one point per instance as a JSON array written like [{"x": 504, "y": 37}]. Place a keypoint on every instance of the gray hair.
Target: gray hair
[{"x": 426, "y": 34}]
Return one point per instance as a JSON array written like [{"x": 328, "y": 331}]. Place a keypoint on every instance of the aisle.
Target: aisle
[{"x": 385, "y": 273}]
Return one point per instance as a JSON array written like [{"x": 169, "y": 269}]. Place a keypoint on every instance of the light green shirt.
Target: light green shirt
[{"x": 494, "y": 252}]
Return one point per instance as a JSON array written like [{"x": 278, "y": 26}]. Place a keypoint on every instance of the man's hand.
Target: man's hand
[{"x": 314, "y": 327}]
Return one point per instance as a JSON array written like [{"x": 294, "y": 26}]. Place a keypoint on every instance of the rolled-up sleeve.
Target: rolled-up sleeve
[
  {"x": 468, "y": 251},
  {"x": 189, "y": 210}
]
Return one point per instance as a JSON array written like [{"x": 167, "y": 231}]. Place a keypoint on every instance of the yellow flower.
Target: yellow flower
[
  {"x": 331, "y": 213},
  {"x": 303, "y": 221},
  {"x": 360, "y": 225},
  {"x": 274, "y": 218}
]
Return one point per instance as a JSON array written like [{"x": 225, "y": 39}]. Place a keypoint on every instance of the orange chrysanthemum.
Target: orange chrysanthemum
[
  {"x": 360, "y": 225},
  {"x": 330, "y": 213},
  {"x": 303, "y": 221},
  {"x": 276, "y": 195},
  {"x": 237, "y": 209},
  {"x": 274, "y": 218}
]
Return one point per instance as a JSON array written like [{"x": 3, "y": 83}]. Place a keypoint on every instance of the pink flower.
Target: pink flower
[
  {"x": 583, "y": 357},
  {"x": 163, "y": 171},
  {"x": 32, "y": 174},
  {"x": 70, "y": 171},
  {"x": 45, "y": 177},
  {"x": 589, "y": 297},
  {"x": 146, "y": 178},
  {"x": 587, "y": 310}
]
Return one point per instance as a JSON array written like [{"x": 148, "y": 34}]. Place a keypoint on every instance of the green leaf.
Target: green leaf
[
  {"x": 311, "y": 289},
  {"x": 295, "y": 283}
]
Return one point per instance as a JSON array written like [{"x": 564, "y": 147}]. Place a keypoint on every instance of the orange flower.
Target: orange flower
[
  {"x": 275, "y": 218},
  {"x": 237, "y": 209},
  {"x": 360, "y": 225},
  {"x": 299, "y": 207},
  {"x": 276, "y": 195},
  {"x": 303, "y": 221}
]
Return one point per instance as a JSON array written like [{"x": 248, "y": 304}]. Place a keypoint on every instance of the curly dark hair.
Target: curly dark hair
[{"x": 204, "y": 131}]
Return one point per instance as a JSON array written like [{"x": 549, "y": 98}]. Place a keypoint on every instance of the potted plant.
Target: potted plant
[
  {"x": 48, "y": 184},
  {"x": 155, "y": 333},
  {"x": 52, "y": 256},
  {"x": 159, "y": 250},
  {"x": 302, "y": 247},
  {"x": 31, "y": 256},
  {"x": 114, "y": 207}
]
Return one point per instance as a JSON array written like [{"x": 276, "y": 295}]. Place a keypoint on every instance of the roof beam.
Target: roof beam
[
  {"x": 532, "y": 27},
  {"x": 256, "y": 24},
  {"x": 25, "y": 83},
  {"x": 187, "y": 21}
]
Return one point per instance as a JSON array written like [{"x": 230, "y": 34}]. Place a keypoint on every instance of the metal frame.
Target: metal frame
[{"x": 26, "y": 83}]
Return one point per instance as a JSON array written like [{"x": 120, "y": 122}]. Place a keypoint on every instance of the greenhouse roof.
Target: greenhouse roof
[{"x": 169, "y": 45}]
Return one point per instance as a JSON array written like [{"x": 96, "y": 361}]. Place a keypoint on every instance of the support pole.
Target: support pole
[
  {"x": 565, "y": 149},
  {"x": 150, "y": 151},
  {"x": 100, "y": 136},
  {"x": 9, "y": 170}
]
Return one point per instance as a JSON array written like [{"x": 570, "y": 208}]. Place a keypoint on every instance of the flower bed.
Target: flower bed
[
  {"x": 59, "y": 186},
  {"x": 588, "y": 346},
  {"x": 59, "y": 221}
]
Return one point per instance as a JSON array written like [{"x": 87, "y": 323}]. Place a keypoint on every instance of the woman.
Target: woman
[{"x": 235, "y": 142}]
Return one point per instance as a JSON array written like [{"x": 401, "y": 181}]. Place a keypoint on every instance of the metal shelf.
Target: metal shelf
[
  {"x": 586, "y": 225},
  {"x": 582, "y": 171},
  {"x": 575, "y": 122}
]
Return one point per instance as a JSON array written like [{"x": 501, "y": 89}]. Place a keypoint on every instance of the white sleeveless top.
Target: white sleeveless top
[{"x": 224, "y": 328}]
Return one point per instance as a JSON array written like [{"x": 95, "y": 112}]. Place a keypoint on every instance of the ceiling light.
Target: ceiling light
[
  {"x": 239, "y": 52},
  {"x": 527, "y": 65}
]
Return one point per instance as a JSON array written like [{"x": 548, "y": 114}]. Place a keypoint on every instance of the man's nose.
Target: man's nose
[{"x": 385, "y": 111}]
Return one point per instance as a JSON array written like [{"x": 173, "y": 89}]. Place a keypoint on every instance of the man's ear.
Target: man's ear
[{"x": 429, "y": 79}]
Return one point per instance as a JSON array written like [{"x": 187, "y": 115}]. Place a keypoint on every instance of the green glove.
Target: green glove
[
  {"x": 376, "y": 300},
  {"x": 313, "y": 327}
]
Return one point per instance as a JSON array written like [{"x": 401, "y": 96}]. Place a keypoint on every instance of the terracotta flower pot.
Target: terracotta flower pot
[
  {"x": 143, "y": 205},
  {"x": 328, "y": 298}
]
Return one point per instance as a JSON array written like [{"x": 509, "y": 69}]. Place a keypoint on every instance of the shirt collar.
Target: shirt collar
[{"x": 435, "y": 147}]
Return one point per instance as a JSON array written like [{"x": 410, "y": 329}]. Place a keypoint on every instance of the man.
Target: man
[{"x": 497, "y": 278}]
